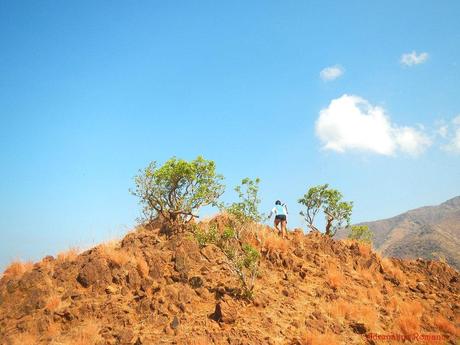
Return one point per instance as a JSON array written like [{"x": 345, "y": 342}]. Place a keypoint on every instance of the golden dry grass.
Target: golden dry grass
[
  {"x": 334, "y": 277},
  {"x": 316, "y": 338},
  {"x": 270, "y": 242},
  {"x": 364, "y": 249},
  {"x": 392, "y": 270},
  {"x": 142, "y": 266},
  {"x": 53, "y": 330},
  {"x": 68, "y": 255},
  {"x": 86, "y": 334},
  {"x": 53, "y": 303},
  {"x": 367, "y": 315},
  {"x": 117, "y": 256},
  {"x": 16, "y": 269},
  {"x": 200, "y": 340},
  {"x": 25, "y": 339},
  {"x": 374, "y": 295},
  {"x": 446, "y": 326},
  {"x": 340, "y": 309},
  {"x": 409, "y": 317}
]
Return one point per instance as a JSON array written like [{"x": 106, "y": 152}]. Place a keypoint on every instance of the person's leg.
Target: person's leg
[
  {"x": 277, "y": 221},
  {"x": 283, "y": 229}
]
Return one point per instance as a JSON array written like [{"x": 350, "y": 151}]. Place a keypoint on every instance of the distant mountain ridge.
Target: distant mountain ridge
[{"x": 429, "y": 232}]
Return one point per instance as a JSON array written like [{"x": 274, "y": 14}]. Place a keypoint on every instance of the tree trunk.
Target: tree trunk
[{"x": 329, "y": 221}]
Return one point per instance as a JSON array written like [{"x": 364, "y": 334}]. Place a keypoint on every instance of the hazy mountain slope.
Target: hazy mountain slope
[{"x": 427, "y": 232}]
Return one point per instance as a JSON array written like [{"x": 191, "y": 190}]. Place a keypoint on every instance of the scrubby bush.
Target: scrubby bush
[
  {"x": 177, "y": 189},
  {"x": 337, "y": 212},
  {"x": 247, "y": 208},
  {"x": 361, "y": 233},
  {"x": 234, "y": 238},
  {"x": 242, "y": 258},
  {"x": 244, "y": 213}
]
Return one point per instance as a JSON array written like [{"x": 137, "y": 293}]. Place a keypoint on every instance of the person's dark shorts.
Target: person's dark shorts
[{"x": 281, "y": 217}]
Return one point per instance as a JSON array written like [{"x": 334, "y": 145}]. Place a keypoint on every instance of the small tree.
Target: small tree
[
  {"x": 241, "y": 257},
  {"x": 177, "y": 189},
  {"x": 313, "y": 200},
  {"x": 361, "y": 233},
  {"x": 234, "y": 240},
  {"x": 328, "y": 200},
  {"x": 245, "y": 211}
]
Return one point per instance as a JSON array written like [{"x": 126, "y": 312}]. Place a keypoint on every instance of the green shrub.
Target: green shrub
[
  {"x": 245, "y": 212},
  {"x": 241, "y": 258},
  {"x": 338, "y": 212},
  {"x": 177, "y": 189},
  {"x": 361, "y": 233}
]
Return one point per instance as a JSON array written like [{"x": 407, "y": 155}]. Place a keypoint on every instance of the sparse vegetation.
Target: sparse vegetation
[
  {"x": 334, "y": 277},
  {"x": 316, "y": 338},
  {"x": 53, "y": 303},
  {"x": 234, "y": 240},
  {"x": 177, "y": 189},
  {"x": 271, "y": 242},
  {"x": 242, "y": 258},
  {"x": 245, "y": 211},
  {"x": 446, "y": 326},
  {"x": 68, "y": 255},
  {"x": 409, "y": 318},
  {"x": 16, "y": 269},
  {"x": 114, "y": 254},
  {"x": 361, "y": 233},
  {"x": 337, "y": 212}
]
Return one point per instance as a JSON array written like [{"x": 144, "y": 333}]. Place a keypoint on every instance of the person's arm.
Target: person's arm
[
  {"x": 273, "y": 211},
  {"x": 285, "y": 207}
]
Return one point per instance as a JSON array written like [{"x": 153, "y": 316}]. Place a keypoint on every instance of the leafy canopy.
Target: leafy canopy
[
  {"x": 177, "y": 189},
  {"x": 361, "y": 233},
  {"x": 247, "y": 208},
  {"x": 328, "y": 200},
  {"x": 241, "y": 257}
]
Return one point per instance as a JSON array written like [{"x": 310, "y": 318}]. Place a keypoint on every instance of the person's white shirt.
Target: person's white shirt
[{"x": 279, "y": 210}]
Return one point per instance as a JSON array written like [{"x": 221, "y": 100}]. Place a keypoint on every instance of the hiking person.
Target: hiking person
[{"x": 280, "y": 211}]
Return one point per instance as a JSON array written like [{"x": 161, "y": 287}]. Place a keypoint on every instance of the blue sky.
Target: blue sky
[{"x": 91, "y": 91}]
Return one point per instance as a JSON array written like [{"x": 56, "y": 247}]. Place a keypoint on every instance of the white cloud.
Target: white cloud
[
  {"x": 454, "y": 139},
  {"x": 411, "y": 141},
  {"x": 331, "y": 72},
  {"x": 442, "y": 130},
  {"x": 352, "y": 123},
  {"x": 410, "y": 59}
]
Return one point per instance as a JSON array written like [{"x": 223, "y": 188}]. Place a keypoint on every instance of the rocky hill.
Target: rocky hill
[
  {"x": 152, "y": 289},
  {"x": 431, "y": 232}
]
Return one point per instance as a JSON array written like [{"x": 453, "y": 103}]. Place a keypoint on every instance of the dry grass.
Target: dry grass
[
  {"x": 68, "y": 255},
  {"x": 86, "y": 334},
  {"x": 25, "y": 339},
  {"x": 271, "y": 242},
  {"x": 16, "y": 269},
  {"x": 53, "y": 303},
  {"x": 200, "y": 340},
  {"x": 142, "y": 266},
  {"x": 367, "y": 315},
  {"x": 394, "y": 303},
  {"x": 117, "y": 256},
  {"x": 53, "y": 330},
  {"x": 392, "y": 270},
  {"x": 409, "y": 318},
  {"x": 315, "y": 338},
  {"x": 446, "y": 326},
  {"x": 364, "y": 249},
  {"x": 340, "y": 309},
  {"x": 374, "y": 295},
  {"x": 334, "y": 277}
]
